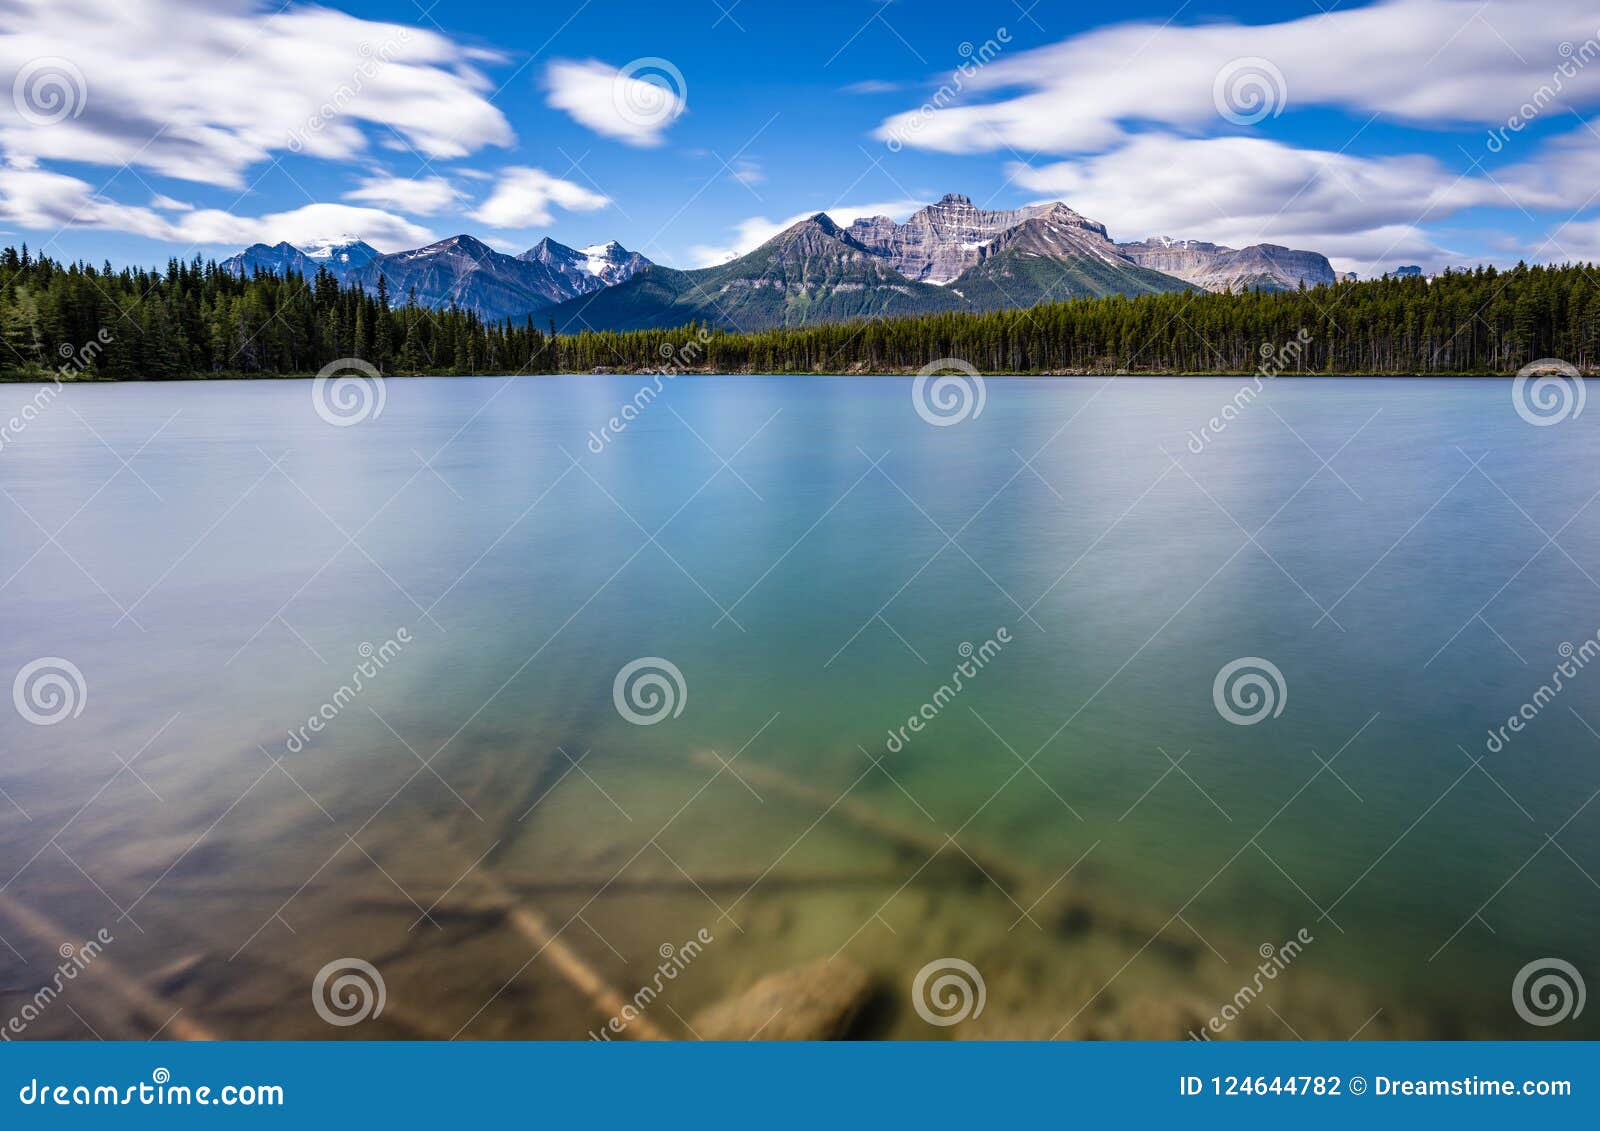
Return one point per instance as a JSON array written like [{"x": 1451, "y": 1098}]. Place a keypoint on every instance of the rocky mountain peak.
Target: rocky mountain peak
[
  {"x": 1261, "y": 266},
  {"x": 937, "y": 243},
  {"x": 588, "y": 269}
]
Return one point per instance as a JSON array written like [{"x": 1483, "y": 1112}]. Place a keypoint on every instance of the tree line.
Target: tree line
[{"x": 194, "y": 319}]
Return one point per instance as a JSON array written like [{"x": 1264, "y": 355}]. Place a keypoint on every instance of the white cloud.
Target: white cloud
[
  {"x": 1422, "y": 61},
  {"x": 747, "y": 172},
  {"x": 202, "y": 90},
  {"x": 634, "y": 105},
  {"x": 872, "y": 86},
  {"x": 37, "y": 199},
  {"x": 1363, "y": 211},
  {"x": 751, "y": 233},
  {"x": 424, "y": 196},
  {"x": 1574, "y": 241},
  {"x": 523, "y": 198}
]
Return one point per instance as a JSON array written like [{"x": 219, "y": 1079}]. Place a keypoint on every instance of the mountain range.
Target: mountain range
[{"x": 949, "y": 256}]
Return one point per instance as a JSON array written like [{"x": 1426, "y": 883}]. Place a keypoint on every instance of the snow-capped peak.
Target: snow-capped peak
[
  {"x": 601, "y": 257},
  {"x": 346, "y": 250}
]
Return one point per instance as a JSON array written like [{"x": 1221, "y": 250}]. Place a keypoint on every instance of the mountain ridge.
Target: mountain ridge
[{"x": 950, "y": 255}]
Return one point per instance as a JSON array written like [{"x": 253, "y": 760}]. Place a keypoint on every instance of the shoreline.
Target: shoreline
[{"x": 13, "y": 379}]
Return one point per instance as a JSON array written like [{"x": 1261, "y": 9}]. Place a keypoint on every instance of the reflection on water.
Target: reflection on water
[{"x": 350, "y": 693}]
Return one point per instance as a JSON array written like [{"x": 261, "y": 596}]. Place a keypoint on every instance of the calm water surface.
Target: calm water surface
[{"x": 1080, "y": 821}]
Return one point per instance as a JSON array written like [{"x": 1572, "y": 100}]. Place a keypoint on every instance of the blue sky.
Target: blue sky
[{"x": 692, "y": 131}]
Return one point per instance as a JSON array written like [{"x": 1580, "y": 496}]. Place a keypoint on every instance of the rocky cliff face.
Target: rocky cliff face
[
  {"x": 466, "y": 272},
  {"x": 1261, "y": 266},
  {"x": 276, "y": 259},
  {"x": 460, "y": 270},
  {"x": 813, "y": 271},
  {"x": 942, "y": 240},
  {"x": 588, "y": 269}
]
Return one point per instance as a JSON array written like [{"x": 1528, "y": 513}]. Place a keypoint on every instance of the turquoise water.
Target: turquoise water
[{"x": 814, "y": 592}]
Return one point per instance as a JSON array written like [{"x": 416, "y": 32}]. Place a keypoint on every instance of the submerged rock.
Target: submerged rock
[{"x": 816, "y": 1002}]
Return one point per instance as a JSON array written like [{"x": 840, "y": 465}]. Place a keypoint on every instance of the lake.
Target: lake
[{"x": 1146, "y": 727}]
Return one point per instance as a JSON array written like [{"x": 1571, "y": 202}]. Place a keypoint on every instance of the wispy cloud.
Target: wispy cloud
[
  {"x": 873, "y": 86},
  {"x": 424, "y": 196},
  {"x": 635, "y": 104},
  {"x": 523, "y": 198},
  {"x": 202, "y": 90},
  {"x": 39, "y": 199},
  {"x": 1427, "y": 62}
]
